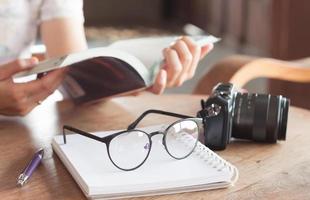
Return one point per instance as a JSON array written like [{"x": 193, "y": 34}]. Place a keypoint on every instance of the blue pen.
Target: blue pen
[{"x": 30, "y": 168}]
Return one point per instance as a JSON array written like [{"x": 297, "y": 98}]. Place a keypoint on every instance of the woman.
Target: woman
[{"x": 60, "y": 23}]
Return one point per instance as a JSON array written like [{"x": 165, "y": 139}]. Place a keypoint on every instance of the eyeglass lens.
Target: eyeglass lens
[
  {"x": 130, "y": 149},
  {"x": 181, "y": 138}
]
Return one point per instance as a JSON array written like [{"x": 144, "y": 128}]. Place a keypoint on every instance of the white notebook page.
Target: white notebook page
[{"x": 88, "y": 162}]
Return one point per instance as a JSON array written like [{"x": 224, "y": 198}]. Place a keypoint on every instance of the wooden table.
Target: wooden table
[{"x": 277, "y": 171}]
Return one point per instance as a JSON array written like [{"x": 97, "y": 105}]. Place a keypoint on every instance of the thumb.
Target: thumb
[
  {"x": 160, "y": 82},
  {"x": 9, "y": 69}
]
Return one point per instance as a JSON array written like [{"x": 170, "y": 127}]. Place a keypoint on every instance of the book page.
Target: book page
[
  {"x": 100, "y": 77},
  {"x": 149, "y": 50}
]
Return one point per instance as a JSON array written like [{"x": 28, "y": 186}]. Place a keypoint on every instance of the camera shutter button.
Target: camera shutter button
[
  {"x": 225, "y": 94},
  {"x": 213, "y": 110}
]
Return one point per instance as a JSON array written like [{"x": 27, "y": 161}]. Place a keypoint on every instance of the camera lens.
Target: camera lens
[{"x": 260, "y": 117}]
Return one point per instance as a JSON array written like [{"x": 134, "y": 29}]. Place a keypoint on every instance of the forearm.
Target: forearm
[
  {"x": 62, "y": 36},
  {"x": 305, "y": 61}
]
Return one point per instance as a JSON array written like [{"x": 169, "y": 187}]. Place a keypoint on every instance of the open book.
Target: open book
[
  {"x": 123, "y": 67},
  {"x": 88, "y": 163}
]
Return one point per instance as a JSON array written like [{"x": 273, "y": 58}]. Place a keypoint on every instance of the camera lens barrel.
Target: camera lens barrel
[
  {"x": 260, "y": 117},
  {"x": 285, "y": 103}
]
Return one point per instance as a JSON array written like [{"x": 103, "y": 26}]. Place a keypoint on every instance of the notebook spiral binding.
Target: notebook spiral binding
[{"x": 210, "y": 157}]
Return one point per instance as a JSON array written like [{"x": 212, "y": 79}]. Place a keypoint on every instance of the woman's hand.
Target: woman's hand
[
  {"x": 181, "y": 60},
  {"x": 21, "y": 98}
]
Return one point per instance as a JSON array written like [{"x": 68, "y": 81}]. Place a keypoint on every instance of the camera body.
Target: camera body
[{"x": 228, "y": 113}]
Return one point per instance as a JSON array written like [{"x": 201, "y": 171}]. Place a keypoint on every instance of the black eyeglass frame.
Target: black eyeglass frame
[{"x": 107, "y": 139}]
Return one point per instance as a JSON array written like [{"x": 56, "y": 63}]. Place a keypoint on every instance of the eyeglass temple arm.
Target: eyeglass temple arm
[
  {"x": 66, "y": 127},
  {"x": 136, "y": 122}
]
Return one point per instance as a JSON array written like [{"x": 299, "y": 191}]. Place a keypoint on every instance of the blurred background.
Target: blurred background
[{"x": 265, "y": 28}]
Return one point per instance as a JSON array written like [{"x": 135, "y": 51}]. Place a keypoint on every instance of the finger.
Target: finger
[
  {"x": 183, "y": 52},
  {"x": 173, "y": 66},
  {"x": 20, "y": 105},
  {"x": 27, "y": 108},
  {"x": 205, "y": 50},
  {"x": 160, "y": 82},
  {"x": 196, "y": 52},
  {"x": 186, "y": 59},
  {"x": 135, "y": 94},
  {"x": 9, "y": 69},
  {"x": 243, "y": 90},
  {"x": 40, "y": 89}
]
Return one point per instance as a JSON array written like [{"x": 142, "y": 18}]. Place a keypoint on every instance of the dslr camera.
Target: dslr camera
[{"x": 228, "y": 113}]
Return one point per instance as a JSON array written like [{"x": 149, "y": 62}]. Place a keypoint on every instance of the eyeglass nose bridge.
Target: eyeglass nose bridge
[{"x": 158, "y": 133}]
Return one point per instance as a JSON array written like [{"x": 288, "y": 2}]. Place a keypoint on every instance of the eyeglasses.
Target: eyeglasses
[{"x": 129, "y": 149}]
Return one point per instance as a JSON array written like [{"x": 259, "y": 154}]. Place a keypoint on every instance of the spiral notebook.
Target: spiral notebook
[{"x": 98, "y": 178}]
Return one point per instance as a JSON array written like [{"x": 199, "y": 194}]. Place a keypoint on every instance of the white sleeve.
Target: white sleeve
[{"x": 51, "y": 9}]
